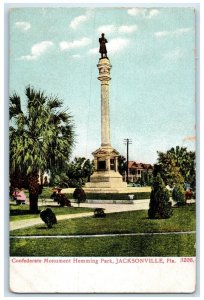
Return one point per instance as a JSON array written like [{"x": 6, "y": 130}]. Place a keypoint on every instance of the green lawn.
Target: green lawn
[
  {"x": 172, "y": 245},
  {"x": 183, "y": 219},
  {"x": 21, "y": 212}
]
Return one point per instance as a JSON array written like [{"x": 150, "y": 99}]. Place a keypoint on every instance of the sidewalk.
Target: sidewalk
[{"x": 109, "y": 208}]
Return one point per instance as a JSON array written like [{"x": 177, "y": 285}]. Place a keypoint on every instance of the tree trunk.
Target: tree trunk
[
  {"x": 33, "y": 203},
  {"x": 33, "y": 192}
]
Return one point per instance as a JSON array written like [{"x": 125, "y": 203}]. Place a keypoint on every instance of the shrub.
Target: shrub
[
  {"x": 178, "y": 195},
  {"x": 48, "y": 217},
  {"x": 80, "y": 195},
  {"x": 160, "y": 206},
  {"x": 116, "y": 196},
  {"x": 99, "y": 213}
]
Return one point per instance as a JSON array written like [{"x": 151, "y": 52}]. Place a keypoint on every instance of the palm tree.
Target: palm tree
[{"x": 41, "y": 137}]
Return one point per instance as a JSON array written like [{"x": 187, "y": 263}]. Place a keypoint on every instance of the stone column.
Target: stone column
[
  {"x": 95, "y": 164},
  {"x": 104, "y": 67},
  {"x": 116, "y": 164}
]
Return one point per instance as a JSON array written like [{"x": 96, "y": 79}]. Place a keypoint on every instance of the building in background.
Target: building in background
[{"x": 136, "y": 170}]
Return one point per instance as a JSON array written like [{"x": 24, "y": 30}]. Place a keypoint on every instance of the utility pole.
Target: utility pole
[{"x": 127, "y": 142}]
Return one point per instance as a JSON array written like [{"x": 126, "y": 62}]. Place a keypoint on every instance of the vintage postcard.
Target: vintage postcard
[{"x": 102, "y": 137}]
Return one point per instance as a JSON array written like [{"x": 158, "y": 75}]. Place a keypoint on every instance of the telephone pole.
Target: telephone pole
[{"x": 127, "y": 142}]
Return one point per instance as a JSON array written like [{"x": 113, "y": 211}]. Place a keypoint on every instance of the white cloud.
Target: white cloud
[
  {"x": 117, "y": 45},
  {"x": 77, "y": 21},
  {"x": 65, "y": 46},
  {"x": 134, "y": 11},
  {"x": 23, "y": 26},
  {"x": 177, "y": 32},
  {"x": 107, "y": 29},
  {"x": 162, "y": 33},
  {"x": 113, "y": 46},
  {"x": 127, "y": 29},
  {"x": 144, "y": 12},
  {"x": 76, "y": 56},
  {"x": 37, "y": 50},
  {"x": 152, "y": 13}
]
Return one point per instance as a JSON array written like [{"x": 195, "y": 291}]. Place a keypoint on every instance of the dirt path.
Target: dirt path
[{"x": 109, "y": 208}]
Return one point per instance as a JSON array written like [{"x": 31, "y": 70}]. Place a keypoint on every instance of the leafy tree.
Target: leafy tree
[
  {"x": 160, "y": 206},
  {"x": 80, "y": 195},
  {"x": 122, "y": 164},
  {"x": 41, "y": 137},
  {"x": 178, "y": 195},
  {"x": 177, "y": 166},
  {"x": 59, "y": 177},
  {"x": 79, "y": 171}
]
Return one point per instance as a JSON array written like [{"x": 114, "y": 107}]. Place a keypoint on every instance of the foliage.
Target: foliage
[
  {"x": 63, "y": 200},
  {"x": 59, "y": 177},
  {"x": 146, "y": 179},
  {"x": 177, "y": 166},
  {"x": 74, "y": 174},
  {"x": 116, "y": 196},
  {"x": 99, "y": 213},
  {"x": 80, "y": 195},
  {"x": 122, "y": 164},
  {"x": 41, "y": 138},
  {"x": 79, "y": 171},
  {"x": 159, "y": 207},
  {"x": 178, "y": 195},
  {"x": 48, "y": 217}
]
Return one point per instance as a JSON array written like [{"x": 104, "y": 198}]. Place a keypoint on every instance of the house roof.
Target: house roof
[{"x": 137, "y": 165}]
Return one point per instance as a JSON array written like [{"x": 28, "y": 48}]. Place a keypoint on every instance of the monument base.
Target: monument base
[{"x": 106, "y": 180}]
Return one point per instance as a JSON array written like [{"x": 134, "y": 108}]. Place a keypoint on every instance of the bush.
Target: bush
[
  {"x": 80, "y": 195},
  {"x": 178, "y": 195},
  {"x": 117, "y": 196},
  {"x": 48, "y": 217},
  {"x": 99, "y": 213},
  {"x": 160, "y": 206}
]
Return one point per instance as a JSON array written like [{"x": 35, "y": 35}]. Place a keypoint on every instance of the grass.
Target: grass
[
  {"x": 21, "y": 212},
  {"x": 183, "y": 219},
  {"x": 173, "y": 245},
  {"x": 47, "y": 192}
]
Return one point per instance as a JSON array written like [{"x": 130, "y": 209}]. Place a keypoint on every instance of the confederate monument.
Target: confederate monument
[{"x": 106, "y": 176}]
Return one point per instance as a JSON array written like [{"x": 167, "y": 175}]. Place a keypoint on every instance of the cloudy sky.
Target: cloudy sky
[{"x": 152, "y": 91}]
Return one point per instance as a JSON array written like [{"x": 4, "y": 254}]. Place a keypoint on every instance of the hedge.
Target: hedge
[{"x": 112, "y": 196}]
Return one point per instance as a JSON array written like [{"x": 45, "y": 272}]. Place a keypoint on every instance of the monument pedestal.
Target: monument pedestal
[{"x": 106, "y": 177}]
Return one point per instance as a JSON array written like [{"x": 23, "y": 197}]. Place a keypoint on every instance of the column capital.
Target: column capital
[{"x": 104, "y": 67}]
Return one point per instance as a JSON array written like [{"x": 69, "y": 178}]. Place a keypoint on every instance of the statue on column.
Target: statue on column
[{"x": 102, "y": 49}]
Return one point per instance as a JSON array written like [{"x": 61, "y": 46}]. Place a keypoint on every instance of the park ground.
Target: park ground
[{"x": 126, "y": 231}]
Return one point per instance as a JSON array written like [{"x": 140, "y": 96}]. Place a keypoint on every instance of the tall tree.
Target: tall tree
[
  {"x": 176, "y": 166},
  {"x": 79, "y": 171},
  {"x": 41, "y": 137},
  {"x": 159, "y": 206}
]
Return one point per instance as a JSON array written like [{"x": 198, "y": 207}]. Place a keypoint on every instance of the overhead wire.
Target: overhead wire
[{"x": 90, "y": 89}]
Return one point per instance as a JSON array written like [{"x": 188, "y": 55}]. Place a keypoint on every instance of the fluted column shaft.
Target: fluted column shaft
[{"x": 104, "y": 67}]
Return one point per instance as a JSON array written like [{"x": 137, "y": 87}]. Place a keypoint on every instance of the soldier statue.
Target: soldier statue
[{"x": 102, "y": 49}]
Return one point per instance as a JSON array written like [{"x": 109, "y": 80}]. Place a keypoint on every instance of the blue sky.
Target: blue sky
[{"x": 152, "y": 91}]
